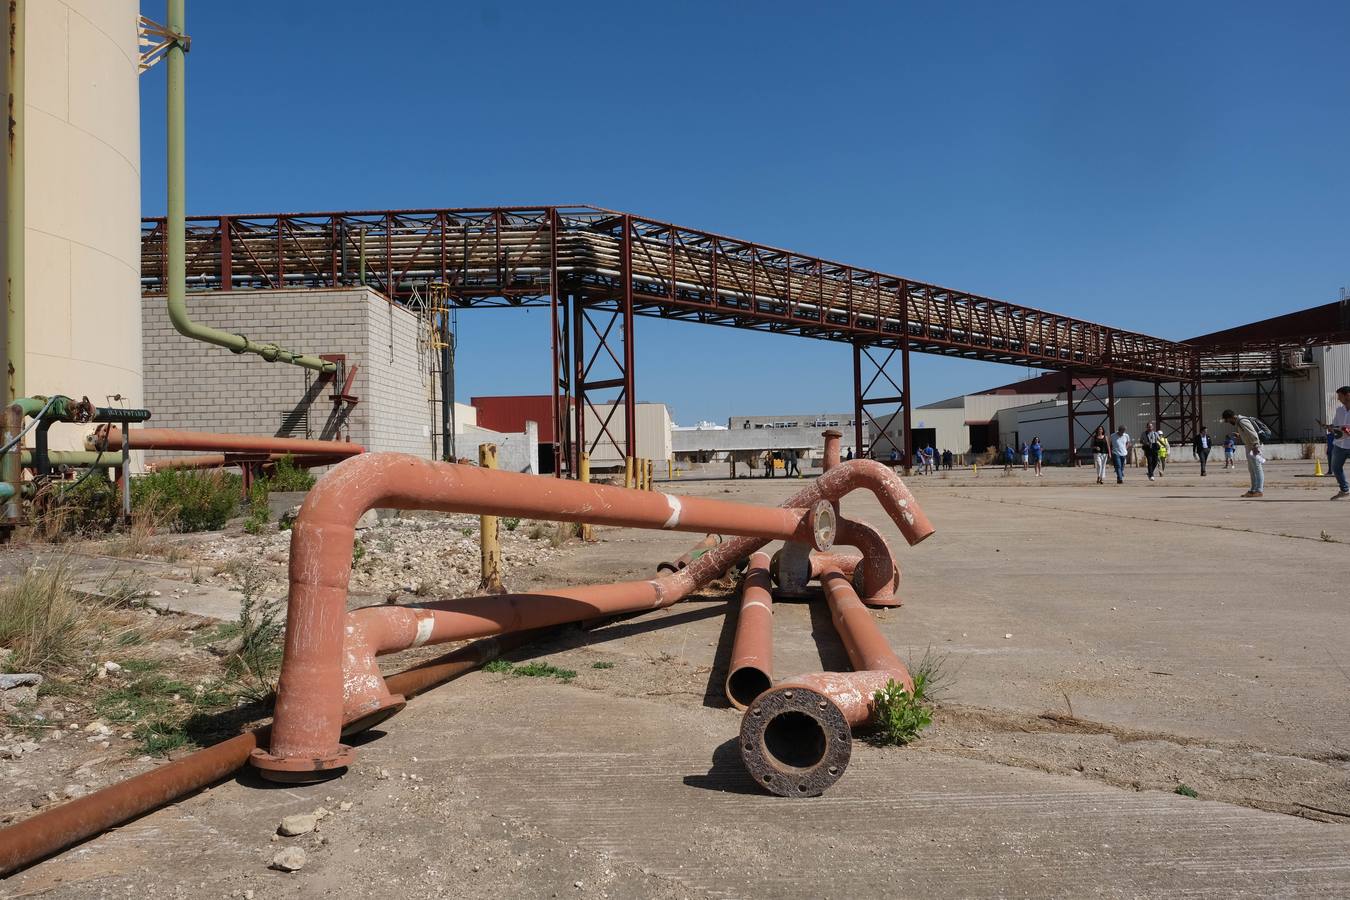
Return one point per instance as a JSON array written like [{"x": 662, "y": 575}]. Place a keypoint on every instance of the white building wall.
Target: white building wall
[
  {"x": 653, "y": 433},
  {"x": 398, "y": 399},
  {"x": 82, "y": 204}
]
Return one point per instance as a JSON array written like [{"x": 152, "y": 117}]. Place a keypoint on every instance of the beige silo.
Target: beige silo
[{"x": 82, "y": 207}]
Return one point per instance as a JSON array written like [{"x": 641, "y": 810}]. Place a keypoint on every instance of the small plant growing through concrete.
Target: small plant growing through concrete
[
  {"x": 899, "y": 716},
  {"x": 499, "y": 666},
  {"x": 1186, "y": 790},
  {"x": 603, "y": 664},
  {"x": 511, "y": 522},
  {"x": 544, "y": 670}
]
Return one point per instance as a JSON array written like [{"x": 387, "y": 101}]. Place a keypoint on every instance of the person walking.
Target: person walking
[
  {"x": 849, "y": 456},
  {"x": 1121, "y": 445},
  {"x": 1201, "y": 447},
  {"x": 1150, "y": 444},
  {"x": 1007, "y": 460},
  {"x": 947, "y": 460},
  {"x": 790, "y": 464},
  {"x": 1026, "y": 455},
  {"x": 1037, "y": 452},
  {"x": 1164, "y": 448},
  {"x": 1229, "y": 448},
  {"x": 1250, "y": 433},
  {"x": 1100, "y": 451},
  {"x": 1340, "y": 448}
]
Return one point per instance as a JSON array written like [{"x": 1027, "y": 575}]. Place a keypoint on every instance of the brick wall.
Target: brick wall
[{"x": 189, "y": 384}]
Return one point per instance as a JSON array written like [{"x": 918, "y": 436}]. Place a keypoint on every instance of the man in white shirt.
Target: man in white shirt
[
  {"x": 1120, "y": 449},
  {"x": 1340, "y": 447}
]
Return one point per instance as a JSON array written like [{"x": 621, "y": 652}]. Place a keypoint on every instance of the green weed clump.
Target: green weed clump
[
  {"x": 258, "y": 511},
  {"x": 193, "y": 501},
  {"x": 287, "y": 476},
  {"x": 898, "y": 714},
  {"x": 530, "y": 670},
  {"x": 1186, "y": 790}
]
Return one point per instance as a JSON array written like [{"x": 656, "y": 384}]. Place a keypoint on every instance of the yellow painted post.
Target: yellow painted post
[
  {"x": 628, "y": 472},
  {"x": 487, "y": 533},
  {"x": 584, "y": 469},
  {"x": 651, "y": 472},
  {"x": 670, "y": 468}
]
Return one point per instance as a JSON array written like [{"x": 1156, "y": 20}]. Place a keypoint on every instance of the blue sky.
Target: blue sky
[{"x": 1173, "y": 168}]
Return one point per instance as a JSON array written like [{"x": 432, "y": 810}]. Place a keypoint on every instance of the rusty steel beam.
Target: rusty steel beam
[{"x": 512, "y": 256}]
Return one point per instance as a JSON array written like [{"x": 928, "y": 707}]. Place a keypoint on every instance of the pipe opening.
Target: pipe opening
[
  {"x": 747, "y": 683},
  {"x": 795, "y": 739}
]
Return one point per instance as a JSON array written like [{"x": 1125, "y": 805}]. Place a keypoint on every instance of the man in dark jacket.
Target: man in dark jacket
[{"x": 1201, "y": 447}]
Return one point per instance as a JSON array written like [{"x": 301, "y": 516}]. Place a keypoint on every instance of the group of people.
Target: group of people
[
  {"x": 927, "y": 460},
  {"x": 1033, "y": 455},
  {"x": 1252, "y": 433}
]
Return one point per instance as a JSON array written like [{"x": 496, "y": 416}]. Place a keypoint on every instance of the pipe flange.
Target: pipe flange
[
  {"x": 823, "y": 525},
  {"x": 301, "y": 769},
  {"x": 795, "y": 742}
]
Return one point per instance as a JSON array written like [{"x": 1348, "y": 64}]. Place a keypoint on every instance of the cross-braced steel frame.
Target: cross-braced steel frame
[
  {"x": 875, "y": 385},
  {"x": 597, "y": 269},
  {"x": 1091, "y": 402}
]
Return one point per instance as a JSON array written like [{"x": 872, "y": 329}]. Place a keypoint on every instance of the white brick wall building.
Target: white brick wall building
[{"x": 192, "y": 385}]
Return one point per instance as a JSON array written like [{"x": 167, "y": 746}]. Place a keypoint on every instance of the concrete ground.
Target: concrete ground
[{"x": 1102, "y": 646}]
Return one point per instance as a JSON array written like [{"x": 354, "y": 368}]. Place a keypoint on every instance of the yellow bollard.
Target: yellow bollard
[
  {"x": 491, "y": 551},
  {"x": 651, "y": 474},
  {"x": 670, "y": 468},
  {"x": 584, "y": 471},
  {"x": 628, "y": 472}
]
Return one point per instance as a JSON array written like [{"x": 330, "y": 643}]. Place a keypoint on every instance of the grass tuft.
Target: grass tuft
[
  {"x": 899, "y": 716},
  {"x": 43, "y": 622},
  {"x": 1186, "y": 790}
]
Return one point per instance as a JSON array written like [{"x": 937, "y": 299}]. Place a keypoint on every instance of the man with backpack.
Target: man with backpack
[
  {"x": 1151, "y": 441},
  {"x": 1251, "y": 431}
]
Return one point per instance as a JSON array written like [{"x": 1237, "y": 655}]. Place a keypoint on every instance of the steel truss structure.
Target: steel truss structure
[{"x": 597, "y": 269}]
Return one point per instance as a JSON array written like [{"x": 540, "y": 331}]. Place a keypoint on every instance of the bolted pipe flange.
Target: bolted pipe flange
[
  {"x": 823, "y": 524},
  {"x": 795, "y": 742},
  {"x": 301, "y": 770}
]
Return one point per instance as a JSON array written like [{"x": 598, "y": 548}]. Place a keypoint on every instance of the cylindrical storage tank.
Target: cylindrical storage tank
[{"x": 82, "y": 208}]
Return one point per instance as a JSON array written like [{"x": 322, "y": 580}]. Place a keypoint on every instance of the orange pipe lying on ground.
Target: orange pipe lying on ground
[
  {"x": 877, "y": 576},
  {"x": 795, "y": 738},
  {"x": 310, "y": 694},
  {"x": 109, "y": 437},
  {"x": 750, "y": 672}
]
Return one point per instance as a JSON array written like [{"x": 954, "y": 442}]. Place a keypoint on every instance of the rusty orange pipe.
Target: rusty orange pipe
[
  {"x": 219, "y": 461},
  {"x": 843, "y": 562},
  {"x": 831, "y": 458},
  {"x": 310, "y": 691},
  {"x": 877, "y": 577},
  {"x": 795, "y": 738},
  {"x": 709, "y": 541},
  {"x": 750, "y": 672},
  {"x": 110, "y": 437},
  {"x": 866, "y": 474}
]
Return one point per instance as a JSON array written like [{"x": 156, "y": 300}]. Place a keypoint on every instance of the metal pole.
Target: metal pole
[
  {"x": 1068, "y": 392},
  {"x": 857, "y": 402},
  {"x": 584, "y": 474},
  {"x": 15, "y": 324},
  {"x": 1111, "y": 399},
  {"x": 491, "y": 553},
  {"x": 126, "y": 471},
  {"x": 629, "y": 395},
  {"x": 448, "y": 423},
  {"x": 905, "y": 410}
]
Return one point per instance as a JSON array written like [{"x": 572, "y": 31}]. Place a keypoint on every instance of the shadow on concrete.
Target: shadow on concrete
[
  {"x": 833, "y": 656},
  {"x": 726, "y": 774},
  {"x": 714, "y": 692}
]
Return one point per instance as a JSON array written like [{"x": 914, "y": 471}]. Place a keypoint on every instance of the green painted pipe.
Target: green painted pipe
[
  {"x": 176, "y": 236},
  {"x": 6, "y": 490},
  {"x": 15, "y": 221}
]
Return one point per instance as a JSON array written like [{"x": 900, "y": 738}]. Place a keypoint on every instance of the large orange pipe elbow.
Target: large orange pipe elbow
[{"x": 310, "y": 700}]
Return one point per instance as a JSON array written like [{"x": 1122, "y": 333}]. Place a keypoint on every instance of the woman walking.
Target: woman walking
[
  {"x": 1036, "y": 453},
  {"x": 1163, "y": 448},
  {"x": 1100, "y": 450}
]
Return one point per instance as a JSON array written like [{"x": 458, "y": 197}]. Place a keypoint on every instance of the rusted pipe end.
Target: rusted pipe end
[
  {"x": 795, "y": 742},
  {"x": 823, "y": 525},
  {"x": 301, "y": 770},
  {"x": 745, "y": 683}
]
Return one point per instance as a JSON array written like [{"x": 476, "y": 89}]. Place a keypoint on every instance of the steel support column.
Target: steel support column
[
  {"x": 1177, "y": 412},
  {"x": 873, "y": 385},
  {"x": 565, "y": 458},
  {"x": 1088, "y": 407},
  {"x": 1270, "y": 401},
  {"x": 608, "y": 369}
]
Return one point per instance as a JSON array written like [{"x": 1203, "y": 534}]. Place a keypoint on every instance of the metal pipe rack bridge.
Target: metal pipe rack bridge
[{"x": 598, "y": 269}]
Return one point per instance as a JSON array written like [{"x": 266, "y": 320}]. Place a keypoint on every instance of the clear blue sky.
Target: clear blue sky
[{"x": 1168, "y": 167}]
